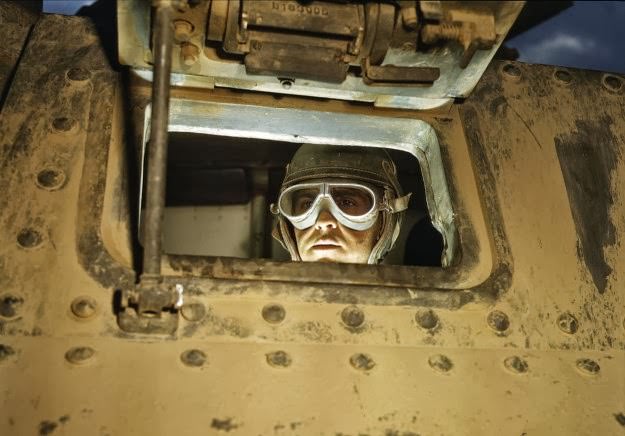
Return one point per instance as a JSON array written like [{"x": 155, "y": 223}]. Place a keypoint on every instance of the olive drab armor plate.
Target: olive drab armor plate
[{"x": 523, "y": 334}]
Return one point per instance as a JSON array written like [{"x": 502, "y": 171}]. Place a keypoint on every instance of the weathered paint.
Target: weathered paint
[
  {"x": 588, "y": 157},
  {"x": 485, "y": 347}
]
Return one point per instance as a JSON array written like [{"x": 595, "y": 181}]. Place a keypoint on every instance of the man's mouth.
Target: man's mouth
[{"x": 325, "y": 244}]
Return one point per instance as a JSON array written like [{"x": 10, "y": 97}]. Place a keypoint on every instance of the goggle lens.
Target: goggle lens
[
  {"x": 352, "y": 201},
  {"x": 298, "y": 200}
]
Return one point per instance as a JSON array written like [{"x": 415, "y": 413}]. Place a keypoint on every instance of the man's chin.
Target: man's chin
[{"x": 326, "y": 254}]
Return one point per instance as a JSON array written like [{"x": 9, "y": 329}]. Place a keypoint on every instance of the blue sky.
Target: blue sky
[
  {"x": 65, "y": 7},
  {"x": 589, "y": 35}
]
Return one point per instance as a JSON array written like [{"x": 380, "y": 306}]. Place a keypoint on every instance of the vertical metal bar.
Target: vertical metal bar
[
  {"x": 260, "y": 180},
  {"x": 157, "y": 147}
]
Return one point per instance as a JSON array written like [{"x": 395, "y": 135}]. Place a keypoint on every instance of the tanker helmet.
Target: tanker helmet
[{"x": 320, "y": 176}]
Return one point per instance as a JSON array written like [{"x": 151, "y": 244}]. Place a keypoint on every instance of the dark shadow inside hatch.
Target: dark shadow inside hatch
[{"x": 219, "y": 190}]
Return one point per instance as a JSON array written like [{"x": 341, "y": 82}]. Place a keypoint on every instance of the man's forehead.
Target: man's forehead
[{"x": 338, "y": 181}]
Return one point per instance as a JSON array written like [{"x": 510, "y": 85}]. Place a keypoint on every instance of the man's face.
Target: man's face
[{"x": 330, "y": 241}]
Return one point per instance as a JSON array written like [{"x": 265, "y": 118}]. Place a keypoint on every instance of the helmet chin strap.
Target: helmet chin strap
[
  {"x": 289, "y": 240},
  {"x": 391, "y": 223}
]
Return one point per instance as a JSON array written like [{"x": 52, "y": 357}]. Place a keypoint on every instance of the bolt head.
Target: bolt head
[
  {"x": 50, "y": 179},
  {"x": 84, "y": 307},
  {"x": 193, "y": 358},
  {"x": 498, "y": 321},
  {"x": 427, "y": 319},
  {"x": 9, "y": 305},
  {"x": 6, "y": 351},
  {"x": 279, "y": 359},
  {"x": 588, "y": 366},
  {"x": 63, "y": 124},
  {"x": 612, "y": 83},
  {"x": 80, "y": 355},
  {"x": 29, "y": 238},
  {"x": 182, "y": 30},
  {"x": 193, "y": 311},
  {"x": 362, "y": 362},
  {"x": 511, "y": 71},
  {"x": 568, "y": 323},
  {"x": 353, "y": 317},
  {"x": 273, "y": 313},
  {"x": 516, "y": 365},
  {"x": 440, "y": 363}
]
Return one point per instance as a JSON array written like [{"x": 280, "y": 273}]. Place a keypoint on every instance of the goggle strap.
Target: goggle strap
[{"x": 399, "y": 204}]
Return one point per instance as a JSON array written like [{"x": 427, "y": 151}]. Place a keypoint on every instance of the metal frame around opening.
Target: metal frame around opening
[{"x": 313, "y": 127}]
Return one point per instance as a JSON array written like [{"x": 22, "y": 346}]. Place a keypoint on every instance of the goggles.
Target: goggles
[{"x": 354, "y": 205}]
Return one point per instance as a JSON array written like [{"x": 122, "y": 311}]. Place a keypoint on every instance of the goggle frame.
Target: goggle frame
[{"x": 324, "y": 198}]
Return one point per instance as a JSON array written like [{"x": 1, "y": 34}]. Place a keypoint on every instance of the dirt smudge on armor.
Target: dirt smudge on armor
[
  {"x": 587, "y": 159},
  {"x": 315, "y": 331},
  {"x": 47, "y": 427},
  {"x": 224, "y": 424}
]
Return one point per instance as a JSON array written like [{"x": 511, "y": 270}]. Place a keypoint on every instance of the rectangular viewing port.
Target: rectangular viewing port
[
  {"x": 219, "y": 191},
  {"x": 225, "y": 166}
]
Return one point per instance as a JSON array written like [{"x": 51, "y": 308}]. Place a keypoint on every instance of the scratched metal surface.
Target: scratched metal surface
[{"x": 528, "y": 337}]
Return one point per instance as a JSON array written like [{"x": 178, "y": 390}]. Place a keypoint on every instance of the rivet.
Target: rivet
[
  {"x": 63, "y": 124},
  {"x": 568, "y": 323},
  {"x": 362, "y": 362},
  {"x": 78, "y": 74},
  {"x": 516, "y": 365},
  {"x": 563, "y": 76},
  {"x": 278, "y": 359},
  {"x": 193, "y": 311},
  {"x": 29, "y": 238},
  {"x": 620, "y": 418},
  {"x": 498, "y": 321},
  {"x": 182, "y": 30},
  {"x": 427, "y": 319},
  {"x": 612, "y": 83},
  {"x": 189, "y": 53},
  {"x": 273, "y": 313},
  {"x": 84, "y": 307},
  {"x": 6, "y": 351},
  {"x": 194, "y": 358},
  {"x": 9, "y": 305},
  {"x": 50, "y": 179},
  {"x": 588, "y": 366},
  {"x": 441, "y": 363},
  {"x": 512, "y": 71},
  {"x": 352, "y": 316},
  {"x": 79, "y": 355},
  {"x": 286, "y": 83}
]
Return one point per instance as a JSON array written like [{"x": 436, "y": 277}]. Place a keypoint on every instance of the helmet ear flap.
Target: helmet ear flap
[
  {"x": 281, "y": 232},
  {"x": 389, "y": 168},
  {"x": 389, "y": 232}
]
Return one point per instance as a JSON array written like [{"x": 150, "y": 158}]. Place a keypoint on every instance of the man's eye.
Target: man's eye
[
  {"x": 347, "y": 203},
  {"x": 303, "y": 204}
]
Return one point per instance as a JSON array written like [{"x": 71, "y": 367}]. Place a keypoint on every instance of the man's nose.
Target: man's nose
[{"x": 325, "y": 221}]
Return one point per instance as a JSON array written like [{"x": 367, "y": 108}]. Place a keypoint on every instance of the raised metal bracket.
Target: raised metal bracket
[{"x": 151, "y": 308}]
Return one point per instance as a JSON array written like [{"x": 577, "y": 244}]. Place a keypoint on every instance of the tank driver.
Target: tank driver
[{"x": 339, "y": 204}]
